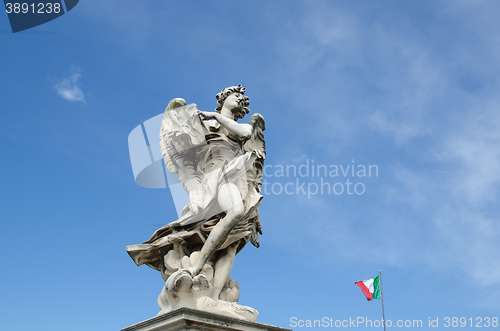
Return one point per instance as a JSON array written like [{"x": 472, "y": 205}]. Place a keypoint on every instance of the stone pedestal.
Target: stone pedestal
[{"x": 186, "y": 319}]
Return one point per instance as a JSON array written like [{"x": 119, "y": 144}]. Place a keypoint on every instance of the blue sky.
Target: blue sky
[{"x": 412, "y": 87}]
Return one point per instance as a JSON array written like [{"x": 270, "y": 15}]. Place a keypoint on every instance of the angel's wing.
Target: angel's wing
[
  {"x": 257, "y": 145},
  {"x": 181, "y": 133},
  {"x": 168, "y": 124}
]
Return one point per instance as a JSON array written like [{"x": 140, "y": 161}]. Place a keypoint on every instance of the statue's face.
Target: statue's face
[
  {"x": 232, "y": 101},
  {"x": 236, "y": 104}
]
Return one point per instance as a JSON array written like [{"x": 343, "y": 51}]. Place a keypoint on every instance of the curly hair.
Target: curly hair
[{"x": 222, "y": 96}]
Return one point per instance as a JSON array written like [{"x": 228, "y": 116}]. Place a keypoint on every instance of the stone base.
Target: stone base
[{"x": 186, "y": 319}]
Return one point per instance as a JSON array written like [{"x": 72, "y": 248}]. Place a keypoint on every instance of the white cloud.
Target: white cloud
[
  {"x": 436, "y": 100},
  {"x": 475, "y": 150},
  {"x": 68, "y": 87},
  {"x": 401, "y": 130},
  {"x": 454, "y": 227},
  {"x": 472, "y": 243},
  {"x": 362, "y": 74}
]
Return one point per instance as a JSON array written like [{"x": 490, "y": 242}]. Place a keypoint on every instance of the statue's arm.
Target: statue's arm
[{"x": 242, "y": 131}]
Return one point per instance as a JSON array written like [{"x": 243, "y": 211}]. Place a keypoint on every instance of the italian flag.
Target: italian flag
[{"x": 370, "y": 288}]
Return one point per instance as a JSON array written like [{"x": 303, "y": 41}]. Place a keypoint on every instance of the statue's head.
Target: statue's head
[{"x": 238, "y": 102}]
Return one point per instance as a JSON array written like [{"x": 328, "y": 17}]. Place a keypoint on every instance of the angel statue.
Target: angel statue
[{"x": 219, "y": 162}]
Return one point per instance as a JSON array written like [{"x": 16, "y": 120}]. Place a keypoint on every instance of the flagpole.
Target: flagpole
[{"x": 382, "y": 296}]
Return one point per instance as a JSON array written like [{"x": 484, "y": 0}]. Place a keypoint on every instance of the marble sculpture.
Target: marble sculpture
[{"x": 219, "y": 162}]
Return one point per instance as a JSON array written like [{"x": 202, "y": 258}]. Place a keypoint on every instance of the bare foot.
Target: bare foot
[
  {"x": 201, "y": 282},
  {"x": 194, "y": 271}
]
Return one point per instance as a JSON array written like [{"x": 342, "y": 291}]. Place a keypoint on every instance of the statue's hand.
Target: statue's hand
[{"x": 207, "y": 115}]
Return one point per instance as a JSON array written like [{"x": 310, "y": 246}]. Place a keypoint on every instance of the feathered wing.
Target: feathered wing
[
  {"x": 257, "y": 145},
  {"x": 168, "y": 124},
  {"x": 180, "y": 134}
]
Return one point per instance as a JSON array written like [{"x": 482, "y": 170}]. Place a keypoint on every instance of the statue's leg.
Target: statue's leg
[
  {"x": 223, "y": 267},
  {"x": 230, "y": 201}
]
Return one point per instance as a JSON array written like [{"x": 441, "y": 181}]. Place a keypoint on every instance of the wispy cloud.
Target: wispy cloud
[
  {"x": 436, "y": 102},
  {"x": 474, "y": 149},
  {"x": 68, "y": 88}
]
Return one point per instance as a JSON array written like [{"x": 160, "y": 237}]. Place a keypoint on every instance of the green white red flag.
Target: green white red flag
[{"x": 370, "y": 288}]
